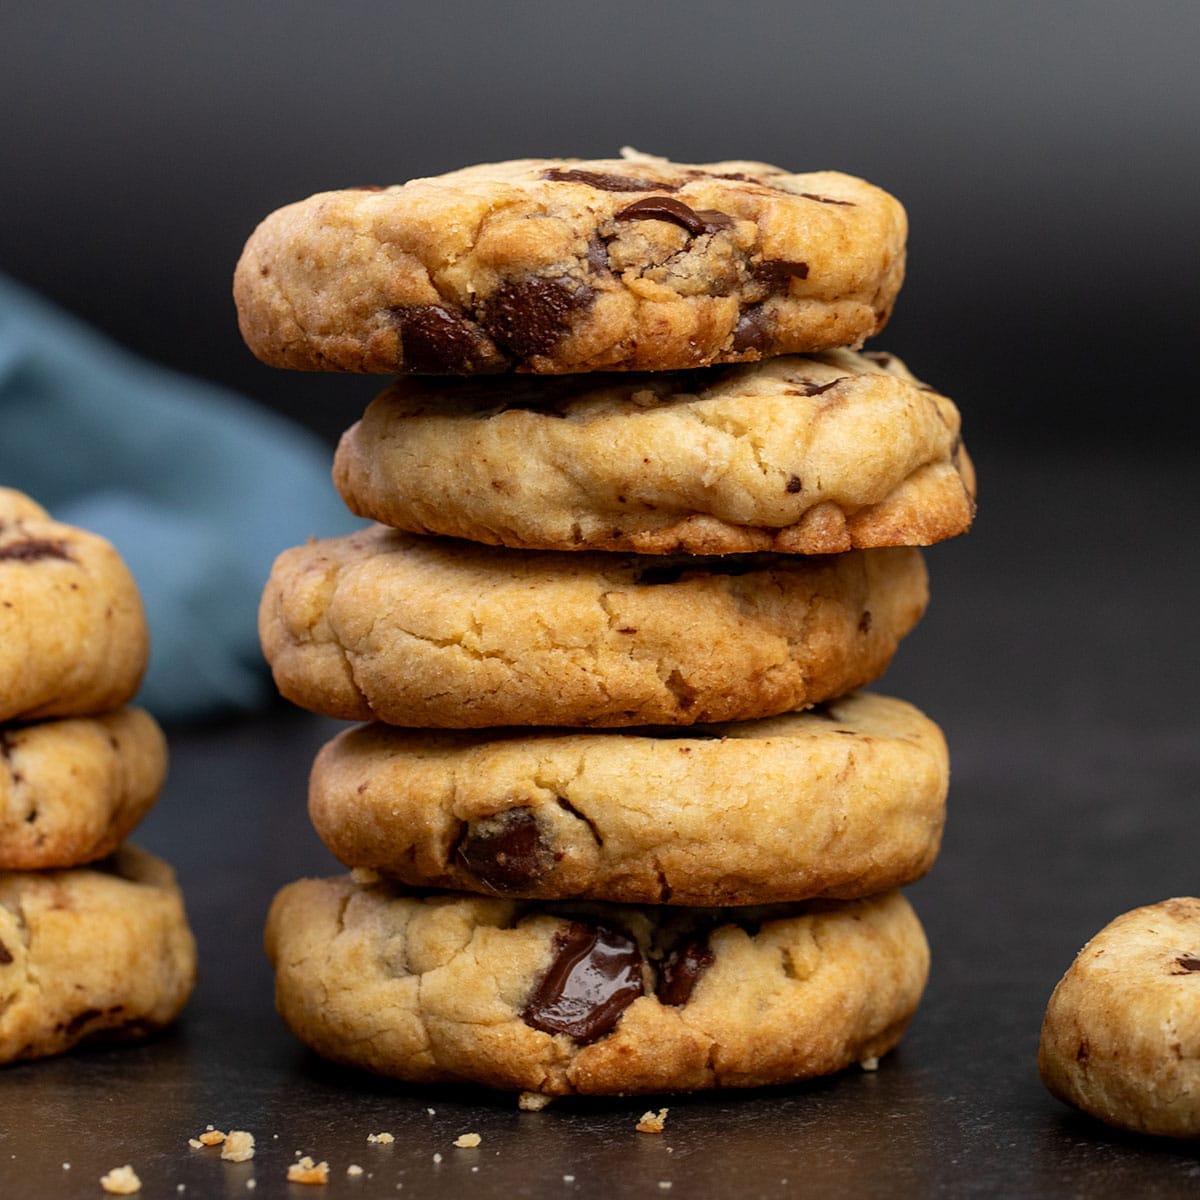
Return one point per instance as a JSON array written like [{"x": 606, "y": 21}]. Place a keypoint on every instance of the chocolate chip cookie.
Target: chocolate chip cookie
[
  {"x": 1121, "y": 1037},
  {"x": 389, "y": 626},
  {"x": 565, "y": 265},
  {"x": 802, "y": 455},
  {"x": 71, "y": 790},
  {"x": 844, "y": 800},
  {"x": 601, "y": 999},
  {"x": 73, "y": 634},
  {"x": 91, "y": 953}
]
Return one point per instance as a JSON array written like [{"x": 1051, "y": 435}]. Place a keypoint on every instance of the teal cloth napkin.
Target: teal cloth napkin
[{"x": 197, "y": 488}]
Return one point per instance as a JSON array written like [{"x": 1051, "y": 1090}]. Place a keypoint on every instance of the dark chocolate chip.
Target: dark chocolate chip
[
  {"x": 597, "y": 256},
  {"x": 34, "y": 550},
  {"x": 881, "y": 358},
  {"x": 794, "y": 484},
  {"x": 595, "y": 976},
  {"x": 827, "y": 199},
  {"x": 777, "y": 273},
  {"x": 75, "y": 1025},
  {"x": 1189, "y": 962},
  {"x": 608, "y": 183},
  {"x": 506, "y": 852},
  {"x": 533, "y": 316},
  {"x": 751, "y": 331},
  {"x": 664, "y": 208},
  {"x": 436, "y": 341},
  {"x": 678, "y": 975},
  {"x": 5, "y": 954},
  {"x": 808, "y": 387},
  {"x": 864, "y": 622}
]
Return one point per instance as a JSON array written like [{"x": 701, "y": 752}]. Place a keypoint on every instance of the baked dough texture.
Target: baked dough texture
[
  {"x": 844, "y": 800},
  {"x": 73, "y": 636},
  {"x": 566, "y": 265},
  {"x": 589, "y": 998},
  {"x": 1121, "y": 1036},
  {"x": 91, "y": 953},
  {"x": 72, "y": 789},
  {"x": 389, "y": 626},
  {"x": 813, "y": 455}
]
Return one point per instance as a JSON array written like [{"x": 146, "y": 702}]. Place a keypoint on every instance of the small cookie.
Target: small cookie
[
  {"x": 389, "y": 626},
  {"x": 798, "y": 455},
  {"x": 91, "y": 953},
  {"x": 71, "y": 790},
  {"x": 595, "y": 999},
  {"x": 73, "y": 634},
  {"x": 1121, "y": 1038},
  {"x": 844, "y": 800},
  {"x": 563, "y": 265}
]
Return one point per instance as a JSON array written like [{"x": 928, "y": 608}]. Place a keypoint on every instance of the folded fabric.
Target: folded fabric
[{"x": 197, "y": 488}]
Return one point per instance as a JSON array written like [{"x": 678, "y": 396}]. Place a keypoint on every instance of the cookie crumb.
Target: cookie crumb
[
  {"x": 665, "y": 1184},
  {"x": 437, "y": 1158},
  {"x": 652, "y": 1122},
  {"x": 121, "y": 1181},
  {"x": 533, "y": 1101},
  {"x": 251, "y": 1184},
  {"x": 66, "y": 1166},
  {"x": 195, "y": 1143},
  {"x": 467, "y": 1141},
  {"x": 568, "y": 1179},
  {"x": 239, "y": 1146},
  {"x": 870, "y": 1064},
  {"x": 211, "y": 1137},
  {"x": 380, "y": 1139},
  {"x": 306, "y": 1171},
  {"x": 432, "y": 1112},
  {"x": 354, "y": 1169}
]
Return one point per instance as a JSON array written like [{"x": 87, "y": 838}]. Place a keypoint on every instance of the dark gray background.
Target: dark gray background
[{"x": 1048, "y": 154}]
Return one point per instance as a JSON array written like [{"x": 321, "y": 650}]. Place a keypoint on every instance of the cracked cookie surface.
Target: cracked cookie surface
[
  {"x": 390, "y": 626},
  {"x": 844, "y": 800},
  {"x": 101, "y": 952},
  {"x": 814, "y": 455},
  {"x": 1121, "y": 1035},
  {"x": 564, "y": 265},
  {"x": 71, "y": 790},
  {"x": 582, "y": 998},
  {"x": 73, "y": 636}
]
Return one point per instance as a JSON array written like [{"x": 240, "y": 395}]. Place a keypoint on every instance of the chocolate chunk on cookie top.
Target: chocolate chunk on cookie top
[
  {"x": 590, "y": 998},
  {"x": 558, "y": 266}
]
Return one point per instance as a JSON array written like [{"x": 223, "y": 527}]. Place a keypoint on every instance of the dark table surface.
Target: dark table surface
[{"x": 1058, "y": 655}]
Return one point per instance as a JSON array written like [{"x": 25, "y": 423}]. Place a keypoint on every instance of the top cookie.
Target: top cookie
[
  {"x": 73, "y": 636},
  {"x": 564, "y": 265}
]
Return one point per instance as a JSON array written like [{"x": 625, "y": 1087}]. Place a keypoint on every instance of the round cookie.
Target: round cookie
[
  {"x": 565, "y": 265},
  {"x": 844, "y": 800},
  {"x": 799, "y": 455},
  {"x": 1121, "y": 1036},
  {"x": 590, "y": 998},
  {"x": 73, "y": 634},
  {"x": 389, "y": 626},
  {"x": 71, "y": 790},
  {"x": 91, "y": 953}
]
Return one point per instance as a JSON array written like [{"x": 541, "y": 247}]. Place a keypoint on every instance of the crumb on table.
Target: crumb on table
[
  {"x": 653, "y": 1122},
  {"x": 239, "y": 1146},
  {"x": 121, "y": 1181},
  {"x": 306, "y": 1171}
]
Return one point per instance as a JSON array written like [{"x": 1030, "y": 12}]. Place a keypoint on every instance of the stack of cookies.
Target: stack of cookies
[
  {"x": 94, "y": 942},
  {"x": 620, "y": 821}
]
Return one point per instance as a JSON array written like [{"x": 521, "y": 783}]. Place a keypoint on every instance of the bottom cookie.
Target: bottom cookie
[
  {"x": 1121, "y": 1036},
  {"x": 572, "y": 997},
  {"x": 89, "y": 953}
]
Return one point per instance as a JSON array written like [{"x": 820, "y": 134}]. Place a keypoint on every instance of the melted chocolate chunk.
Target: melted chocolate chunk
[
  {"x": 809, "y": 387},
  {"x": 1189, "y": 962},
  {"x": 436, "y": 341},
  {"x": 828, "y": 199},
  {"x": 506, "y": 851},
  {"x": 595, "y": 976},
  {"x": 777, "y": 273},
  {"x": 794, "y": 484},
  {"x": 34, "y": 550},
  {"x": 881, "y": 358},
  {"x": 751, "y": 332},
  {"x": 5, "y": 954},
  {"x": 597, "y": 256},
  {"x": 678, "y": 975},
  {"x": 608, "y": 183},
  {"x": 864, "y": 622},
  {"x": 732, "y": 564},
  {"x": 663, "y": 208},
  {"x": 76, "y": 1023},
  {"x": 532, "y": 317}
]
